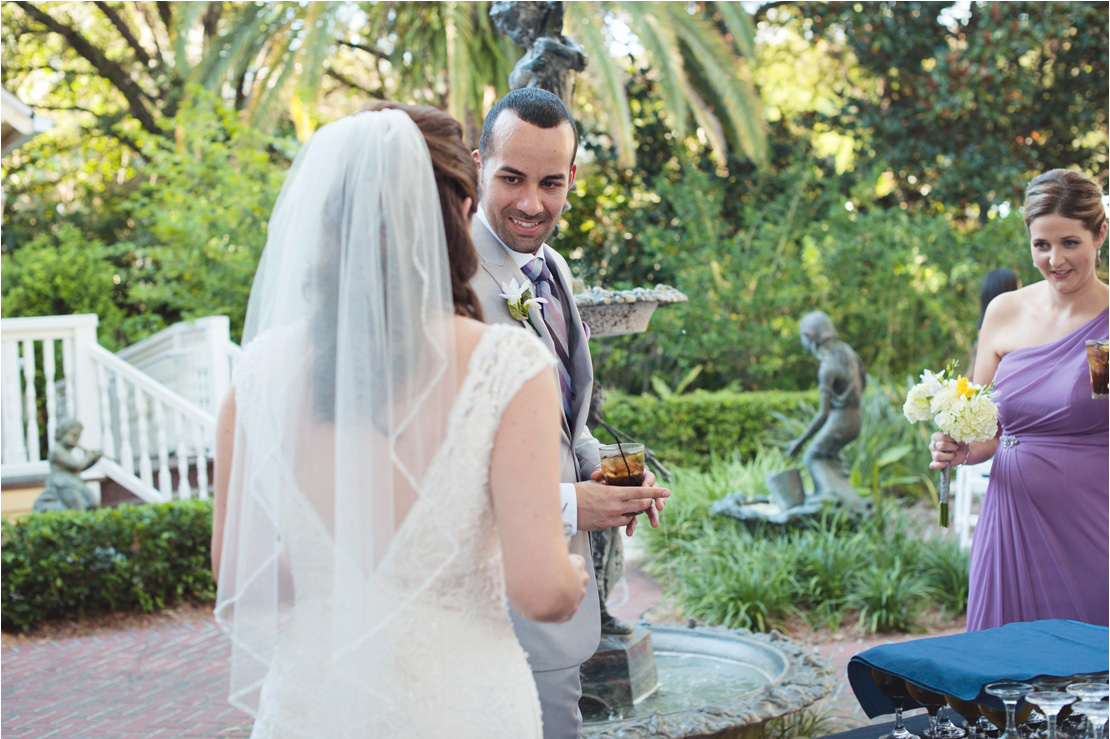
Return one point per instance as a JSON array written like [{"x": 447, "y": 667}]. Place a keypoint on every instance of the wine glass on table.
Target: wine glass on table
[
  {"x": 894, "y": 687},
  {"x": 968, "y": 710},
  {"x": 1010, "y": 693},
  {"x": 934, "y": 703},
  {"x": 1088, "y": 692},
  {"x": 993, "y": 722},
  {"x": 1097, "y": 713},
  {"x": 1050, "y": 702},
  {"x": 1037, "y": 720}
]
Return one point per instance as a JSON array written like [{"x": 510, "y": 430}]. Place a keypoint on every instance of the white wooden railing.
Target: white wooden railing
[
  {"x": 192, "y": 358},
  {"x": 58, "y": 347},
  {"x": 149, "y": 434},
  {"x": 970, "y": 486},
  {"x": 143, "y": 422}
]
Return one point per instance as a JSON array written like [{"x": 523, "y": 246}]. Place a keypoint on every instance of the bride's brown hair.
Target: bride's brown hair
[{"x": 456, "y": 179}]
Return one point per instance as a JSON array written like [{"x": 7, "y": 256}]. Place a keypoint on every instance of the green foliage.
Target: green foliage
[
  {"x": 689, "y": 429},
  {"x": 736, "y": 578},
  {"x": 179, "y": 241},
  {"x": 829, "y": 555},
  {"x": 77, "y": 563},
  {"x": 966, "y": 102},
  {"x": 804, "y": 724},
  {"x": 887, "y": 596},
  {"x": 945, "y": 567},
  {"x": 756, "y": 250},
  {"x": 881, "y": 570},
  {"x": 62, "y": 272},
  {"x": 203, "y": 214}
]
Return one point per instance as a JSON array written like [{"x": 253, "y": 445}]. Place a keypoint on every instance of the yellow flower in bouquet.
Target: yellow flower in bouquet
[{"x": 960, "y": 408}]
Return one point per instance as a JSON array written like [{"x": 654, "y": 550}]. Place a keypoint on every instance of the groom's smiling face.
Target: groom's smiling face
[{"x": 525, "y": 179}]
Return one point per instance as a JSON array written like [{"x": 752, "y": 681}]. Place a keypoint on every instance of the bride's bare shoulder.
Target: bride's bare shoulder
[{"x": 468, "y": 333}]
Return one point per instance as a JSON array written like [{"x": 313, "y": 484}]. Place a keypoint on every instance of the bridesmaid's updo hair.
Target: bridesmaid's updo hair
[
  {"x": 456, "y": 179},
  {"x": 1067, "y": 193}
]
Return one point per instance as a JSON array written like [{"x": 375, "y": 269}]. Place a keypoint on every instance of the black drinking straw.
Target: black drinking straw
[{"x": 621, "y": 449}]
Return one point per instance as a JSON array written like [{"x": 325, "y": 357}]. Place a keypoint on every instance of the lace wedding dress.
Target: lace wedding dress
[{"x": 445, "y": 662}]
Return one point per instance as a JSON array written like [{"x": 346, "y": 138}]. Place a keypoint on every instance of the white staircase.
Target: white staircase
[{"x": 156, "y": 437}]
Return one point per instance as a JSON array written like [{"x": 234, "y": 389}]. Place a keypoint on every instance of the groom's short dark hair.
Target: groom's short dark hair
[{"x": 531, "y": 105}]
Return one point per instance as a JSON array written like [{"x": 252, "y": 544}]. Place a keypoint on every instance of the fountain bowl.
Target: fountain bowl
[
  {"x": 619, "y": 312},
  {"x": 719, "y": 683}
]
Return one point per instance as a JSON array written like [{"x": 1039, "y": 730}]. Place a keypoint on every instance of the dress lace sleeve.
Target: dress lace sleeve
[{"x": 513, "y": 357}]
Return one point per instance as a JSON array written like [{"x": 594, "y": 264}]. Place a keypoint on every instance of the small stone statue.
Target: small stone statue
[
  {"x": 65, "y": 490},
  {"x": 841, "y": 379},
  {"x": 549, "y": 56}
]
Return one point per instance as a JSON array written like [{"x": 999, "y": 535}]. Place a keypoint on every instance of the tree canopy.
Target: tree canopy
[{"x": 859, "y": 158}]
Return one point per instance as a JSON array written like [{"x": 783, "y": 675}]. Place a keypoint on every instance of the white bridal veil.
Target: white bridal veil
[{"x": 342, "y": 397}]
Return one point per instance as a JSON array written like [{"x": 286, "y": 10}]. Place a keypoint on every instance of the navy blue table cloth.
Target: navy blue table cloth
[{"x": 962, "y": 664}]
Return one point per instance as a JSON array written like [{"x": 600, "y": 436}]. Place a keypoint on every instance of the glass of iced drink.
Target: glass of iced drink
[
  {"x": 623, "y": 464},
  {"x": 1098, "y": 352}
]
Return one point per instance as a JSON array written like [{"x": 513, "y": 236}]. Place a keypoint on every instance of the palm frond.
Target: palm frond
[
  {"x": 235, "y": 49},
  {"x": 185, "y": 17},
  {"x": 585, "y": 21},
  {"x": 739, "y": 25},
  {"x": 317, "y": 43},
  {"x": 727, "y": 81},
  {"x": 661, "y": 44}
]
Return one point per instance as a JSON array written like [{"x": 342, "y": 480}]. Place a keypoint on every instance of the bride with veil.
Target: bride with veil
[{"x": 386, "y": 467}]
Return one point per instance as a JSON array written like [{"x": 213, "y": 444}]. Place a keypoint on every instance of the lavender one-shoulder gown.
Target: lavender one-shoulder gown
[{"x": 1040, "y": 546}]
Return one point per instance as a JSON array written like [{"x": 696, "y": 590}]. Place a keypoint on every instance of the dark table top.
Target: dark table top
[{"x": 915, "y": 724}]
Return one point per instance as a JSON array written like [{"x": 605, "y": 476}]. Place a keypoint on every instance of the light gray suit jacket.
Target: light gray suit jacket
[{"x": 551, "y": 646}]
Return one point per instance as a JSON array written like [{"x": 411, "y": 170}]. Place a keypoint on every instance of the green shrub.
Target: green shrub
[
  {"x": 80, "y": 563},
  {"x": 752, "y": 575},
  {"x": 737, "y": 579},
  {"x": 945, "y": 566},
  {"x": 827, "y": 554},
  {"x": 687, "y": 430},
  {"x": 888, "y": 596}
]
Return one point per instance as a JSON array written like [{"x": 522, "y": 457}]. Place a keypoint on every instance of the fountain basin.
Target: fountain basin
[
  {"x": 716, "y": 682},
  {"x": 619, "y": 312}
]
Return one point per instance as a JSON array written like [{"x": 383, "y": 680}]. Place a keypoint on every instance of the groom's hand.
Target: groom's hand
[{"x": 602, "y": 506}]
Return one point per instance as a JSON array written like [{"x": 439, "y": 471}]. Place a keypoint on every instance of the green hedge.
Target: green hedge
[
  {"x": 79, "y": 563},
  {"x": 686, "y": 430}
]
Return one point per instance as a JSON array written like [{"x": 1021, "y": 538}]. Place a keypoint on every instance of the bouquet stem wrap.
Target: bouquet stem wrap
[{"x": 942, "y": 495}]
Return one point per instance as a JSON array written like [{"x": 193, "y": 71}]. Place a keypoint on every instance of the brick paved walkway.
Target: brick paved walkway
[
  {"x": 172, "y": 681},
  {"x": 153, "y": 683}
]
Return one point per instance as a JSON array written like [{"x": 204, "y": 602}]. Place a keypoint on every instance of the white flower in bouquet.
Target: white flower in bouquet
[{"x": 916, "y": 407}]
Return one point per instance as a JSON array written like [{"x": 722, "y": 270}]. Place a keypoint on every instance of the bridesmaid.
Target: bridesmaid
[{"x": 1040, "y": 546}]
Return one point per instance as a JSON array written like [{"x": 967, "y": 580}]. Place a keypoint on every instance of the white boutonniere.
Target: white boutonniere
[{"x": 519, "y": 297}]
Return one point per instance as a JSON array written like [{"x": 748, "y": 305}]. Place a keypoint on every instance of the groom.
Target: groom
[{"x": 526, "y": 168}]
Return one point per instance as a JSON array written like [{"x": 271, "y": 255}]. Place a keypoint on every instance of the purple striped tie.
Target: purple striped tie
[{"x": 552, "y": 310}]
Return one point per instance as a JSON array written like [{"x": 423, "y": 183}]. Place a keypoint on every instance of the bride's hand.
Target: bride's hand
[
  {"x": 946, "y": 451},
  {"x": 579, "y": 564}
]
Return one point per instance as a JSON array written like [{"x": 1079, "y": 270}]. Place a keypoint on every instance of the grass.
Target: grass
[{"x": 880, "y": 572}]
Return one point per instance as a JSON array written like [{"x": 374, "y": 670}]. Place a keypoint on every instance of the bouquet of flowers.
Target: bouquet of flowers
[{"x": 960, "y": 409}]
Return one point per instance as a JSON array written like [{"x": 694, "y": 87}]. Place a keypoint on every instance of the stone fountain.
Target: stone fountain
[
  {"x": 656, "y": 680},
  {"x": 714, "y": 682}
]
